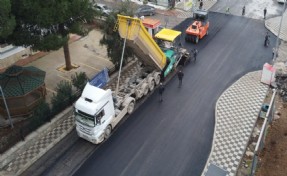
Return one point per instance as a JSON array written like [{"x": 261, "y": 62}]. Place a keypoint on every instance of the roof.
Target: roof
[
  {"x": 167, "y": 34},
  {"x": 151, "y": 23},
  {"x": 19, "y": 81},
  {"x": 94, "y": 93}
]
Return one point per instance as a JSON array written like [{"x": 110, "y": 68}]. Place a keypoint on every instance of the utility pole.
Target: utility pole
[
  {"x": 279, "y": 30},
  {"x": 6, "y": 106}
]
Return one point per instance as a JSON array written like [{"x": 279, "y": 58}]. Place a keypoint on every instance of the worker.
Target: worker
[
  {"x": 264, "y": 12},
  {"x": 201, "y": 4},
  {"x": 180, "y": 76},
  {"x": 227, "y": 11},
  {"x": 195, "y": 54},
  {"x": 243, "y": 10},
  {"x": 160, "y": 91}
]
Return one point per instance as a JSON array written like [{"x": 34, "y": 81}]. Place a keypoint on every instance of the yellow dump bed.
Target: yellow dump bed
[{"x": 140, "y": 40}]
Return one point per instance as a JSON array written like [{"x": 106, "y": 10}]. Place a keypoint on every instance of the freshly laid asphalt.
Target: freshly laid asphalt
[{"x": 175, "y": 137}]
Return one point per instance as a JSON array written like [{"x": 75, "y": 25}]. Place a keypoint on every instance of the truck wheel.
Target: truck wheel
[
  {"x": 196, "y": 40},
  {"x": 108, "y": 131},
  {"x": 145, "y": 89},
  {"x": 131, "y": 107},
  {"x": 139, "y": 93},
  {"x": 151, "y": 85},
  {"x": 157, "y": 79}
]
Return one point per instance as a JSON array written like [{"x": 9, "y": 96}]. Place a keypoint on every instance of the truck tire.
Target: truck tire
[
  {"x": 108, "y": 131},
  {"x": 139, "y": 93},
  {"x": 131, "y": 107},
  {"x": 151, "y": 84},
  {"x": 145, "y": 89},
  {"x": 157, "y": 79}
]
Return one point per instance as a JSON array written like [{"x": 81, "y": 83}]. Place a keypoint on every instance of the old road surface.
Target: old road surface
[{"x": 173, "y": 137}]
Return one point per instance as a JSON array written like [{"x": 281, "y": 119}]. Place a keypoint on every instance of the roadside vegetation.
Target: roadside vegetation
[{"x": 111, "y": 37}]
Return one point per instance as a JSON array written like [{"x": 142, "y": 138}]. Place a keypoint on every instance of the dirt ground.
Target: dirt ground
[{"x": 273, "y": 158}]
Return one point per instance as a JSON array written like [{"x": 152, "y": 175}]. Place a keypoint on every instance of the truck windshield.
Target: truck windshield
[{"x": 85, "y": 119}]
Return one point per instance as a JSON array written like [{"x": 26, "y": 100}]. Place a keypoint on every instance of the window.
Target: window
[{"x": 99, "y": 116}]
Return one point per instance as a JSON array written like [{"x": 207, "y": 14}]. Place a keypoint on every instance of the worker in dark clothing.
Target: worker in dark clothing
[
  {"x": 195, "y": 54},
  {"x": 243, "y": 10},
  {"x": 160, "y": 91},
  {"x": 201, "y": 4},
  {"x": 180, "y": 76},
  {"x": 264, "y": 12}
]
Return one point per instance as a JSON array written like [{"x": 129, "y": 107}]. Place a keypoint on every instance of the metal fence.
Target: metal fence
[{"x": 263, "y": 133}]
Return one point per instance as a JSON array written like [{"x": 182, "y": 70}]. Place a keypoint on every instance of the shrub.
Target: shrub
[
  {"x": 145, "y": 2},
  {"x": 63, "y": 97},
  {"x": 43, "y": 112},
  {"x": 79, "y": 80}
]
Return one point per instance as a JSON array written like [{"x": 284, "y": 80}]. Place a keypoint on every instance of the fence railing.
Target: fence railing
[{"x": 263, "y": 133}]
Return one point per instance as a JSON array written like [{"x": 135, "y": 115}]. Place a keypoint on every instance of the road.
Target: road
[{"x": 173, "y": 137}]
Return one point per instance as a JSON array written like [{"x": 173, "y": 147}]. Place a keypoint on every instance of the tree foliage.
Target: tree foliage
[
  {"x": 45, "y": 25},
  {"x": 63, "y": 97},
  {"x": 7, "y": 20},
  {"x": 112, "y": 39},
  {"x": 79, "y": 80}
]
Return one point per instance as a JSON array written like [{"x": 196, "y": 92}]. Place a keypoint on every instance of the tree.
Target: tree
[
  {"x": 46, "y": 25},
  {"x": 7, "y": 20},
  {"x": 112, "y": 39}
]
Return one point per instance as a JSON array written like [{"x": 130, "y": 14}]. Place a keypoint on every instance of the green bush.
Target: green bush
[
  {"x": 145, "y": 2},
  {"x": 79, "y": 80},
  {"x": 63, "y": 97},
  {"x": 43, "y": 112}
]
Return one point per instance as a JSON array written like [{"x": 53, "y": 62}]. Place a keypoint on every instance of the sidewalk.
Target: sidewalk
[
  {"x": 236, "y": 113},
  {"x": 273, "y": 25}
]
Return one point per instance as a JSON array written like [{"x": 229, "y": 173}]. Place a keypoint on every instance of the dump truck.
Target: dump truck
[
  {"x": 199, "y": 27},
  {"x": 98, "y": 111}
]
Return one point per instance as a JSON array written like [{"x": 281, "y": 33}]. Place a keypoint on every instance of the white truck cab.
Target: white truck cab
[{"x": 96, "y": 113}]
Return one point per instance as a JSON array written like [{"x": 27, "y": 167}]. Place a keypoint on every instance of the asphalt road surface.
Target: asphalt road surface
[{"x": 173, "y": 137}]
